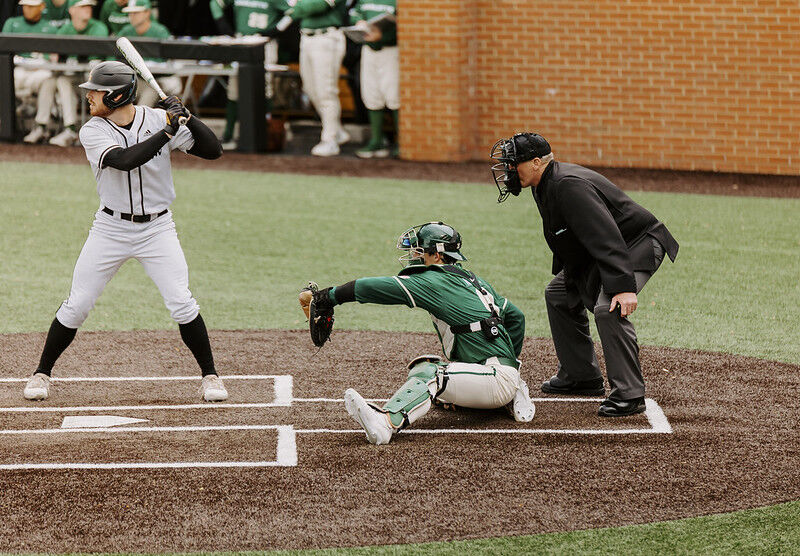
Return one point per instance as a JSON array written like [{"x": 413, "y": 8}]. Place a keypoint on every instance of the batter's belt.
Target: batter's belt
[{"x": 135, "y": 217}]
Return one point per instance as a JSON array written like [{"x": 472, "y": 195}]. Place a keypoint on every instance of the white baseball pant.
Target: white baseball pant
[
  {"x": 111, "y": 242},
  {"x": 380, "y": 78},
  {"x": 480, "y": 386},
  {"x": 65, "y": 85},
  {"x": 320, "y": 63}
]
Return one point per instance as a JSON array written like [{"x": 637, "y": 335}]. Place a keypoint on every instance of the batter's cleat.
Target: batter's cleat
[
  {"x": 37, "y": 388},
  {"x": 342, "y": 137},
  {"x": 521, "y": 407},
  {"x": 36, "y": 135},
  {"x": 371, "y": 150},
  {"x": 213, "y": 389},
  {"x": 325, "y": 148},
  {"x": 557, "y": 385},
  {"x": 66, "y": 138},
  {"x": 621, "y": 408},
  {"x": 375, "y": 424}
]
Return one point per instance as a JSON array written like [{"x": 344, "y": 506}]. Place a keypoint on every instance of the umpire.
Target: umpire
[{"x": 605, "y": 248}]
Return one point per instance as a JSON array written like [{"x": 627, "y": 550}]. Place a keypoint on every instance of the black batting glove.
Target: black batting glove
[
  {"x": 174, "y": 113},
  {"x": 172, "y": 102}
]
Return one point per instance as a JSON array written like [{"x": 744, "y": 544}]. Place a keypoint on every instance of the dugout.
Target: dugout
[{"x": 250, "y": 59}]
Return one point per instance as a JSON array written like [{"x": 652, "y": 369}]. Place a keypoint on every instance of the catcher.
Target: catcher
[{"x": 480, "y": 331}]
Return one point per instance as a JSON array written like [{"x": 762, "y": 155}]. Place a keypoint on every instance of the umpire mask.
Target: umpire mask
[
  {"x": 510, "y": 152},
  {"x": 504, "y": 171}
]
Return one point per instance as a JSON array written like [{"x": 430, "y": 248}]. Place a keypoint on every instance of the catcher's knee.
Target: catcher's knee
[{"x": 413, "y": 399}]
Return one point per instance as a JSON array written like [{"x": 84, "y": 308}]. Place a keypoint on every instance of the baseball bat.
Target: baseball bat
[{"x": 139, "y": 66}]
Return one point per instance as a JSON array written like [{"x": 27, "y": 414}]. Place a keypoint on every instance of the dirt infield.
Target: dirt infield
[
  {"x": 735, "y": 444},
  {"x": 751, "y": 185}
]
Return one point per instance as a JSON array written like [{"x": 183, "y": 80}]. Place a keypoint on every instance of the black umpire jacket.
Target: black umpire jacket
[{"x": 598, "y": 235}]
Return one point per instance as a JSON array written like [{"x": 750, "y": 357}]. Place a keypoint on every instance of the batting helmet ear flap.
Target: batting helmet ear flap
[{"x": 121, "y": 96}]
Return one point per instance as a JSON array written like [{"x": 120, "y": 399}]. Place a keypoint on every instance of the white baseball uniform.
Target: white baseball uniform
[{"x": 146, "y": 191}]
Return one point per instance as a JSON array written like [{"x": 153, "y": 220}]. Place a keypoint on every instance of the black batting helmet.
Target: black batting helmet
[{"x": 116, "y": 79}]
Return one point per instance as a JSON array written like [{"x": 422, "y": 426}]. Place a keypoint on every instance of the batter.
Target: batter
[{"x": 128, "y": 148}]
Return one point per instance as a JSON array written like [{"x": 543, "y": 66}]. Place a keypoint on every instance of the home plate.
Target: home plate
[{"x": 97, "y": 421}]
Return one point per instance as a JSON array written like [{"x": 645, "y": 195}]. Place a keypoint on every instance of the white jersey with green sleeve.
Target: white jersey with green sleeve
[{"x": 451, "y": 300}]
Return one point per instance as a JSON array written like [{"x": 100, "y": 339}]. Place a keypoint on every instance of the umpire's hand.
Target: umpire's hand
[{"x": 627, "y": 303}]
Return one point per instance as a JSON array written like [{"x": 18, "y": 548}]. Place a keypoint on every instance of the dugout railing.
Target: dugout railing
[{"x": 250, "y": 59}]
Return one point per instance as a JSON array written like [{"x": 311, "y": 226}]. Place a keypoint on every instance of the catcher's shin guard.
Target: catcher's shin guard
[{"x": 413, "y": 399}]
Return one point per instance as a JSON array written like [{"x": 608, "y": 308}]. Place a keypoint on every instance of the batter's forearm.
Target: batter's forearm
[
  {"x": 136, "y": 155},
  {"x": 206, "y": 144}
]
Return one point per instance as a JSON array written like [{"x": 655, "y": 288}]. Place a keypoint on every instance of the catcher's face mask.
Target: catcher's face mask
[
  {"x": 504, "y": 171},
  {"x": 409, "y": 242}
]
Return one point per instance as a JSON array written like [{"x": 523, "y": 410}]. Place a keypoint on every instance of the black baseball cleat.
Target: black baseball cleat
[
  {"x": 557, "y": 385},
  {"x": 621, "y": 408}
]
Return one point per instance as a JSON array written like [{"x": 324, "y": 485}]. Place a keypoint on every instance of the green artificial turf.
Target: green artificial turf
[{"x": 252, "y": 240}]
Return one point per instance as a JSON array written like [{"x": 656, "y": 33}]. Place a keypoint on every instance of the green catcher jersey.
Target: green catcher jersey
[
  {"x": 21, "y": 25},
  {"x": 319, "y": 14},
  {"x": 369, "y": 9},
  {"x": 451, "y": 300},
  {"x": 112, "y": 16},
  {"x": 251, "y": 16}
]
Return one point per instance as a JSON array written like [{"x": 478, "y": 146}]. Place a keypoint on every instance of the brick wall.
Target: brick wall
[{"x": 680, "y": 84}]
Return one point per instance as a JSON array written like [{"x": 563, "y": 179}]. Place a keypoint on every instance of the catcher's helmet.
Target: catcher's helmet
[
  {"x": 433, "y": 237},
  {"x": 116, "y": 79},
  {"x": 510, "y": 152}
]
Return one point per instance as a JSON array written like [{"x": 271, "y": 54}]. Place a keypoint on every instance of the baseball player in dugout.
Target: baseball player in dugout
[
  {"x": 322, "y": 47},
  {"x": 605, "y": 249},
  {"x": 128, "y": 148},
  {"x": 380, "y": 74},
  {"x": 481, "y": 334},
  {"x": 80, "y": 24},
  {"x": 113, "y": 16},
  {"x": 142, "y": 25},
  {"x": 250, "y": 17}
]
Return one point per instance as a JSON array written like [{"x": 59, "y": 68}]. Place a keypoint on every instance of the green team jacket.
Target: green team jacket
[
  {"x": 365, "y": 10},
  {"x": 156, "y": 31},
  {"x": 251, "y": 17},
  {"x": 94, "y": 28},
  {"x": 318, "y": 14},
  {"x": 113, "y": 17},
  {"x": 18, "y": 25},
  {"x": 57, "y": 16},
  {"x": 451, "y": 301}
]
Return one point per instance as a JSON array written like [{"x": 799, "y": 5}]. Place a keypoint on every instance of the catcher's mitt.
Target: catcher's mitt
[{"x": 318, "y": 308}]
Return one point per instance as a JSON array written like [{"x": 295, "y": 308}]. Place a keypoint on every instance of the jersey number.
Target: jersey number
[{"x": 257, "y": 20}]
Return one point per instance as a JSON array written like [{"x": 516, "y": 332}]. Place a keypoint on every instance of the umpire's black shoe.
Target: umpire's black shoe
[
  {"x": 621, "y": 408},
  {"x": 557, "y": 385}
]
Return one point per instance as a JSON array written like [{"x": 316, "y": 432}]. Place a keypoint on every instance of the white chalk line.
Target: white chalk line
[
  {"x": 143, "y": 378},
  {"x": 207, "y": 405},
  {"x": 283, "y": 388},
  {"x": 341, "y": 400},
  {"x": 286, "y": 453}
]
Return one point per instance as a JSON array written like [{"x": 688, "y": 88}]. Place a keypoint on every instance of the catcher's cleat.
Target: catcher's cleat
[
  {"x": 521, "y": 407},
  {"x": 37, "y": 388},
  {"x": 213, "y": 389},
  {"x": 375, "y": 423}
]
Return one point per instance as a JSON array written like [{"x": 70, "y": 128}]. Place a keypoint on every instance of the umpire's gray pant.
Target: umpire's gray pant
[{"x": 569, "y": 325}]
